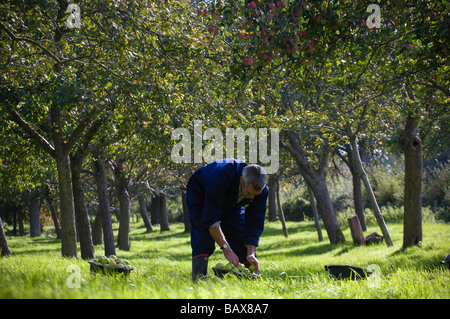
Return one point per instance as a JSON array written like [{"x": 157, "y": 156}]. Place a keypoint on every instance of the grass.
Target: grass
[{"x": 291, "y": 268}]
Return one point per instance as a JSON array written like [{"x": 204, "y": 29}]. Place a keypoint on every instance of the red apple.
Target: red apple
[{"x": 252, "y": 5}]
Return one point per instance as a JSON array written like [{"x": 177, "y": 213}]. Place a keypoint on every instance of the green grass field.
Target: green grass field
[{"x": 291, "y": 268}]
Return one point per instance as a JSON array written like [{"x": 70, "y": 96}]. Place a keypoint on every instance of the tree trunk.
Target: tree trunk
[
  {"x": 357, "y": 187},
  {"x": 4, "y": 247},
  {"x": 123, "y": 196},
  {"x": 155, "y": 209},
  {"x": 325, "y": 208},
  {"x": 68, "y": 232},
  {"x": 54, "y": 216},
  {"x": 144, "y": 214},
  {"x": 163, "y": 213},
  {"x": 356, "y": 230},
  {"x": 272, "y": 205},
  {"x": 104, "y": 206},
  {"x": 35, "y": 224},
  {"x": 123, "y": 238},
  {"x": 316, "y": 179},
  {"x": 187, "y": 222},
  {"x": 14, "y": 232},
  {"x": 97, "y": 230},
  {"x": 358, "y": 200},
  {"x": 412, "y": 148},
  {"x": 280, "y": 208},
  {"x": 312, "y": 199},
  {"x": 373, "y": 201},
  {"x": 81, "y": 215},
  {"x": 20, "y": 220}
]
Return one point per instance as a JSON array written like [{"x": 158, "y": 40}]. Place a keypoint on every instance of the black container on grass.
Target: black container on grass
[{"x": 347, "y": 272}]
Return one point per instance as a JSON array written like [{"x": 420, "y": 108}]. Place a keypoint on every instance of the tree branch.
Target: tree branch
[
  {"x": 35, "y": 43},
  {"x": 80, "y": 128},
  {"x": 433, "y": 84},
  {"x": 31, "y": 131}
]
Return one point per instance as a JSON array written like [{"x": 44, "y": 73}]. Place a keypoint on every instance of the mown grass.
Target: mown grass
[{"x": 291, "y": 268}]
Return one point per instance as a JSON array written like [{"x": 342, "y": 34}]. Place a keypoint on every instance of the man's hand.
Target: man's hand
[
  {"x": 231, "y": 256},
  {"x": 217, "y": 235},
  {"x": 251, "y": 257}
]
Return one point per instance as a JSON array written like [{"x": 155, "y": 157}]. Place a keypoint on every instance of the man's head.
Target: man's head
[{"x": 253, "y": 180}]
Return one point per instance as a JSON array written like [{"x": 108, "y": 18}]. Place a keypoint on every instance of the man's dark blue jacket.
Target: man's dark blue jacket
[{"x": 212, "y": 195}]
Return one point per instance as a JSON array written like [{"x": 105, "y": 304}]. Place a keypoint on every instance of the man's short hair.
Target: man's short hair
[{"x": 255, "y": 175}]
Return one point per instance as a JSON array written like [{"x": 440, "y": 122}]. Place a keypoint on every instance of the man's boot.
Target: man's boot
[{"x": 199, "y": 267}]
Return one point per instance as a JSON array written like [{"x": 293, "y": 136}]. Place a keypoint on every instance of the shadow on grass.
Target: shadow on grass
[
  {"x": 24, "y": 245},
  {"x": 306, "y": 245},
  {"x": 273, "y": 231},
  {"x": 158, "y": 235},
  {"x": 309, "y": 250},
  {"x": 418, "y": 257}
]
